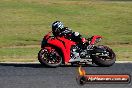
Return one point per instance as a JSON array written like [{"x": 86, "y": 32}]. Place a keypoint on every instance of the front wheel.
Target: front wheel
[
  {"x": 49, "y": 58},
  {"x": 106, "y": 58}
]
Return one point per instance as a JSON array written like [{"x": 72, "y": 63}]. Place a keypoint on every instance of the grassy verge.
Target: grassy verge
[
  {"x": 24, "y": 22},
  {"x": 19, "y": 54},
  {"x": 123, "y": 52}
]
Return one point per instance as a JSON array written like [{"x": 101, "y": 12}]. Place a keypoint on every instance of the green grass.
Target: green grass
[
  {"x": 20, "y": 54},
  {"x": 24, "y": 22},
  {"x": 123, "y": 52}
]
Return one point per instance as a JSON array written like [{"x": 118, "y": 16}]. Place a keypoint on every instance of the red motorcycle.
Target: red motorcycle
[{"x": 61, "y": 50}]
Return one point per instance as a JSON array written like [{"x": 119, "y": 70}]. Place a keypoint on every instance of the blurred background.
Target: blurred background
[{"x": 23, "y": 23}]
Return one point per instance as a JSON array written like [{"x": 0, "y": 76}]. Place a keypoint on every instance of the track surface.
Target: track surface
[{"x": 37, "y": 76}]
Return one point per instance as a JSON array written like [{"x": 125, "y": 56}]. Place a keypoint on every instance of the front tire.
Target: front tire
[
  {"x": 105, "y": 61},
  {"x": 44, "y": 57}
]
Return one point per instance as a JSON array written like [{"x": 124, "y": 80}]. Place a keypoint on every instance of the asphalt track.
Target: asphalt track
[{"x": 36, "y": 76}]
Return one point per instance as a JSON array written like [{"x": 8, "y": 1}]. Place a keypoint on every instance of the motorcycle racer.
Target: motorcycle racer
[
  {"x": 58, "y": 29},
  {"x": 65, "y": 47}
]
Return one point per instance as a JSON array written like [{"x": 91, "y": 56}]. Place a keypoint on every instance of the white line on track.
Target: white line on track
[{"x": 39, "y": 63}]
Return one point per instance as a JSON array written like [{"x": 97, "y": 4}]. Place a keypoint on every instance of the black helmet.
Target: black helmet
[{"x": 57, "y": 26}]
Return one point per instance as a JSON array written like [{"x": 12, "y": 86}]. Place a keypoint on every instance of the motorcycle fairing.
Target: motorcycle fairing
[{"x": 64, "y": 45}]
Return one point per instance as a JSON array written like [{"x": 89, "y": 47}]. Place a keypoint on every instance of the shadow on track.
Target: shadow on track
[
  {"x": 41, "y": 66},
  {"x": 23, "y": 65}
]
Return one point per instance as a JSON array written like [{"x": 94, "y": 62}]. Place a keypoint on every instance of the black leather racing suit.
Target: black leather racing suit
[{"x": 68, "y": 34}]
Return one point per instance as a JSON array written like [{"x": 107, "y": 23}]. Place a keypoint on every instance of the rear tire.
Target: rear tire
[{"x": 101, "y": 61}]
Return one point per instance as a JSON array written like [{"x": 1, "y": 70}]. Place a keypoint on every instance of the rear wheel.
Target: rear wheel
[
  {"x": 49, "y": 58},
  {"x": 107, "y": 58}
]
